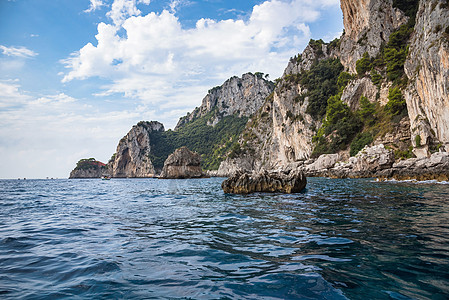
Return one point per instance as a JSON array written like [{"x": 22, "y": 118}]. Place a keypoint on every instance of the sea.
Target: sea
[{"x": 186, "y": 239}]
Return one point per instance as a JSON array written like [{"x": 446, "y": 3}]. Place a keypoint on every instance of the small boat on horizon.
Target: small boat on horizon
[{"x": 105, "y": 177}]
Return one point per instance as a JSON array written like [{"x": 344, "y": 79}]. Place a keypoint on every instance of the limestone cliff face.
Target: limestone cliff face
[
  {"x": 368, "y": 24},
  {"x": 281, "y": 132},
  {"x": 427, "y": 67},
  {"x": 132, "y": 155},
  {"x": 240, "y": 96}
]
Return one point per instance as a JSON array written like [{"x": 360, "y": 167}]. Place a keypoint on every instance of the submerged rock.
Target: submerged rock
[
  {"x": 273, "y": 182},
  {"x": 182, "y": 164}
]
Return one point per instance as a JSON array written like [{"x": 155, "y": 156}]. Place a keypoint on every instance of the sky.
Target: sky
[{"x": 75, "y": 76}]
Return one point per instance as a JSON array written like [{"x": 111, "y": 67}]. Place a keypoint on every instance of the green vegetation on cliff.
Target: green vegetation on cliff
[
  {"x": 89, "y": 163},
  {"x": 320, "y": 82},
  {"x": 211, "y": 142}
]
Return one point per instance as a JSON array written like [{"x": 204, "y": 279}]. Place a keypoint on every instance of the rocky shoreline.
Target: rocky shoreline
[{"x": 371, "y": 162}]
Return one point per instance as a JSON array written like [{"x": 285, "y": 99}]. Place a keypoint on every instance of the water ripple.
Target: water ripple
[{"x": 178, "y": 239}]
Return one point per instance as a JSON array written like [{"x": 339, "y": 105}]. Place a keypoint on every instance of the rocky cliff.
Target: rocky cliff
[
  {"x": 368, "y": 24},
  {"x": 237, "y": 96},
  {"x": 371, "y": 100},
  {"x": 132, "y": 157},
  {"x": 383, "y": 84},
  {"x": 182, "y": 164},
  {"x": 89, "y": 168},
  {"x": 427, "y": 67}
]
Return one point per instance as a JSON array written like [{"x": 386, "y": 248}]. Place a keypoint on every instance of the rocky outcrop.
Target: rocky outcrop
[
  {"x": 379, "y": 162},
  {"x": 368, "y": 24},
  {"x": 89, "y": 168},
  {"x": 369, "y": 162},
  {"x": 427, "y": 67},
  {"x": 182, "y": 164},
  {"x": 237, "y": 96},
  {"x": 274, "y": 182},
  {"x": 436, "y": 167},
  {"x": 132, "y": 158},
  {"x": 281, "y": 131}
]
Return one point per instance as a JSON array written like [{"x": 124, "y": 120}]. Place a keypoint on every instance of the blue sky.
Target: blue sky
[{"x": 76, "y": 75}]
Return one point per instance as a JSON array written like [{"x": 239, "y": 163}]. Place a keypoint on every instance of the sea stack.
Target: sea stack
[
  {"x": 182, "y": 164},
  {"x": 88, "y": 168},
  {"x": 266, "y": 182}
]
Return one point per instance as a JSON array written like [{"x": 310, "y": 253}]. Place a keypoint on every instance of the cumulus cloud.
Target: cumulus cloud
[
  {"x": 94, "y": 5},
  {"x": 21, "y": 52},
  {"x": 10, "y": 95},
  {"x": 154, "y": 59},
  {"x": 122, "y": 9}
]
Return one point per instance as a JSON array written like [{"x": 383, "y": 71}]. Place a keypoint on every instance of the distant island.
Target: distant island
[{"x": 373, "y": 103}]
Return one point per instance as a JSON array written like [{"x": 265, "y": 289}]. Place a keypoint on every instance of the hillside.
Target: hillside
[
  {"x": 210, "y": 130},
  {"x": 383, "y": 82}
]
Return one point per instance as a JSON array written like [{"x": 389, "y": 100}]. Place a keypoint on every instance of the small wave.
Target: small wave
[{"x": 413, "y": 181}]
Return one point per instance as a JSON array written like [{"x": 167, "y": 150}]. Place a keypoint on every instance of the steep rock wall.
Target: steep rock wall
[
  {"x": 427, "y": 67},
  {"x": 237, "y": 96},
  {"x": 281, "y": 132},
  {"x": 133, "y": 151},
  {"x": 368, "y": 24}
]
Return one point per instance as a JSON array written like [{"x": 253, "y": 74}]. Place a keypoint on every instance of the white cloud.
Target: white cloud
[
  {"x": 122, "y": 9},
  {"x": 148, "y": 57},
  {"x": 10, "y": 95},
  {"x": 175, "y": 4},
  {"x": 94, "y": 5},
  {"x": 21, "y": 52}
]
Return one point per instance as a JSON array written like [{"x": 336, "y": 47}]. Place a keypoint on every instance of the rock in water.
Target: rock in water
[
  {"x": 274, "y": 182},
  {"x": 182, "y": 164},
  {"x": 88, "y": 168}
]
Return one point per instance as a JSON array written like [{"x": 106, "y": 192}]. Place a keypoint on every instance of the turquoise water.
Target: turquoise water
[{"x": 180, "y": 239}]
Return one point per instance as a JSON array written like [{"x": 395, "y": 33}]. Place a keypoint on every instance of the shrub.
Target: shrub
[
  {"x": 360, "y": 141},
  {"x": 396, "y": 102},
  {"x": 404, "y": 154},
  {"x": 395, "y": 52},
  {"x": 343, "y": 80},
  {"x": 418, "y": 140},
  {"x": 338, "y": 130},
  {"x": 363, "y": 65},
  {"x": 321, "y": 83},
  {"x": 376, "y": 78},
  {"x": 367, "y": 111}
]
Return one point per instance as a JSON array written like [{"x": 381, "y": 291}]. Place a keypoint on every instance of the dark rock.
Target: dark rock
[
  {"x": 274, "y": 182},
  {"x": 182, "y": 164}
]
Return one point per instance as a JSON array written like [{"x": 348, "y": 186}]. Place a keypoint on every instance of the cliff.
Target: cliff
[
  {"x": 88, "y": 168},
  {"x": 383, "y": 87},
  {"x": 368, "y": 24},
  {"x": 427, "y": 67},
  {"x": 382, "y": 83},
  {"x": 132, "y": 157},
  {"x": 237, "y": 96}
]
